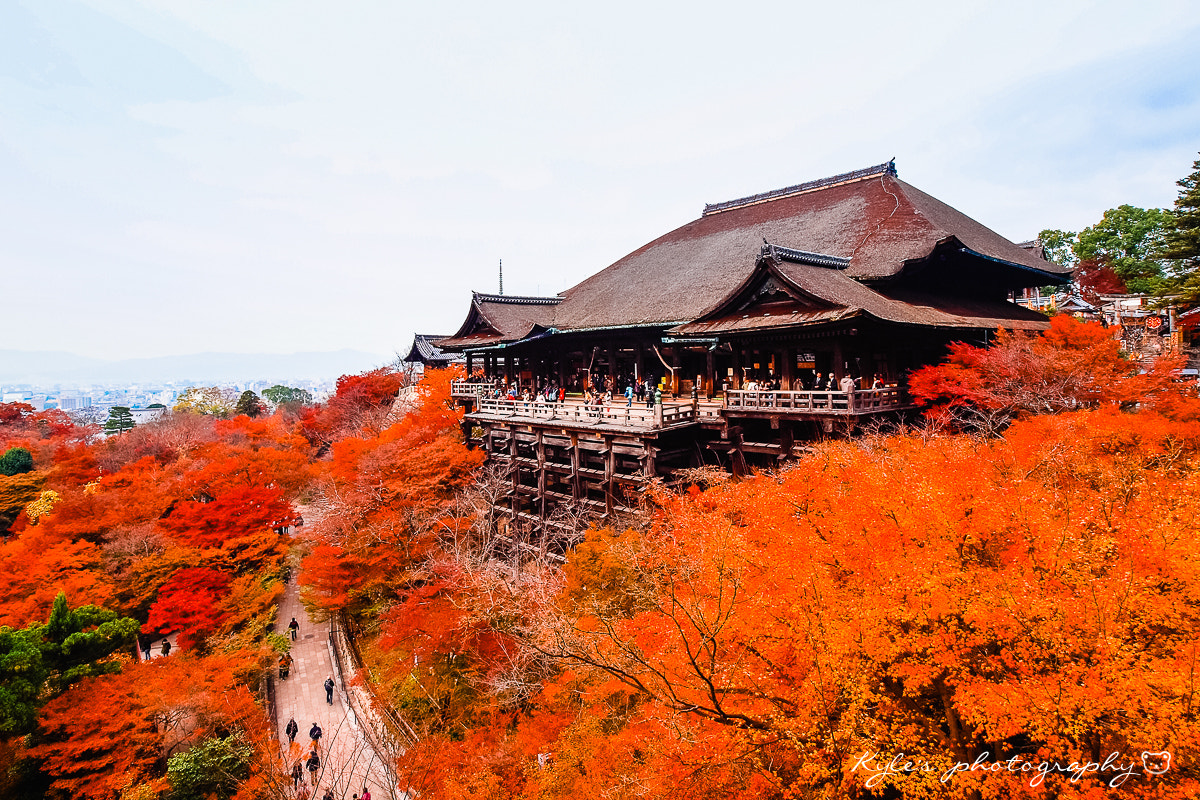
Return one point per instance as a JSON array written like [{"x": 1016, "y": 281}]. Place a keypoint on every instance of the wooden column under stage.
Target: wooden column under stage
[{"x": 710, "y": 373}]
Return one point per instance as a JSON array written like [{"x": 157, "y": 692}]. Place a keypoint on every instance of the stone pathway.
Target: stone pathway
[{"x": 348, "y": 763}]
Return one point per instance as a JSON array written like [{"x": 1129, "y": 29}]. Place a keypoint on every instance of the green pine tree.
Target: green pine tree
[
  {"x": 1181, "y": 244},
  {"x": 41, "y": 662},
  {"x": 249, "y": 404},
  {"x": 120, "y": 419},
  {"x": 16, "y": 461}
]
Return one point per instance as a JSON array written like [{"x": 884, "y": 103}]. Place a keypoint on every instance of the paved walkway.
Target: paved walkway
[{"x": 348, "y": 763}]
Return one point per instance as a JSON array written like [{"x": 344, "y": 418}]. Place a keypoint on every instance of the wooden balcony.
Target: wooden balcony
[
  {"x": 470, "y": 389},
  {"x": 866, "y": 401},
  {"x": 675, "y": 413},
  {"x": 577, "y": 414}
]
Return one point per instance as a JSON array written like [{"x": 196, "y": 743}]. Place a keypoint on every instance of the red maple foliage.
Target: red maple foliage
[{"x": 190, "y": 604}]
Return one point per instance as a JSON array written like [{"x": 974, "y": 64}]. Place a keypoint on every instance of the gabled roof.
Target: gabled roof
[
  {"x": 1075, "y": 303},
  {"x": 821, "y": 294},
  {"x": 870, "y": 217},
  {"x": 496, "y": 318},
  {"x": 424, "y": 351},
  {"x": 869, "y": 225}
]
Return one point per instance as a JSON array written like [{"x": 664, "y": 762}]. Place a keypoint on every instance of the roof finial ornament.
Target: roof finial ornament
[{"x": 502, "y": 276}]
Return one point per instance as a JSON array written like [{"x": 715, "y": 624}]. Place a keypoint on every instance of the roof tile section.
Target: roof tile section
[
  {"x": 841, "y": 297},
  {"x": 498, "y": 318},
  {"x": 867, "y": 225},
  {"x": 424, "y": 351}
]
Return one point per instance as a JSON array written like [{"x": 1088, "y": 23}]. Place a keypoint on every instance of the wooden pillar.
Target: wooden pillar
[
  {"x": 508, "y": 367},
  {"x": 710, "y": 358},
  {"x": 789, "y": 363},
  {"x": 516, "y": 471},
  {"x": 639, "y": 361},
  {"x": 610, "y": 468},
  {"x": 612, "y": 365},
  {"x": 576, "y": 488},
  {"x": 839, "y": 364},
  {"x": 787, "y": 438},
  {"x": 541, "y": 459},
  {"x": 736, "y": 383},
  {"x": 649, "y": 464},
  {"x": 470, "y": 358}
]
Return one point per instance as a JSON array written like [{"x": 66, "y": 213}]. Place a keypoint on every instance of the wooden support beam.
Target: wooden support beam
[
  {"x": 513, "y": 454},
  {"x": 541, "y": 475},
  {"x": 610, "y": 466},
  {"x": 710, "y": 370},
  {"x": 576, "y": 487}
]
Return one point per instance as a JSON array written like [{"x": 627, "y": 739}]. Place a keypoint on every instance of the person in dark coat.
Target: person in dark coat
[
  {"x": 293, "y": 628},
  {"x": 314, "y": 733},
  {"x": 313, "y": 764},
  {"x": 329, "y": 690},
  {"x": 166, "y": 647},
  {"x": 291, "y": 730},
  {"x": 297, "y": 774}
]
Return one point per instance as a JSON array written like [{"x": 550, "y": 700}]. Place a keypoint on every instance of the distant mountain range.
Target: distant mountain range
[{"x": 47, "y": 368}]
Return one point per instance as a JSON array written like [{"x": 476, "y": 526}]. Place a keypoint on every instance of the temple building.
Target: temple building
[
  {"x": 769, "y": 320},
  {"x": 428, "y": 354}
]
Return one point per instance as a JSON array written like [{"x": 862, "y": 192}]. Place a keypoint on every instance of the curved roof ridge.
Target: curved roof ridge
[
  {"x": 515, "y": 299},
  {"x": 886, "y": 168}
]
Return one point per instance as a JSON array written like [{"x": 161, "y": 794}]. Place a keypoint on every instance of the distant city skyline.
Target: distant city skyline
[
  {"x": 270, "y": 177},
  {"x": 45, "y": 368}
]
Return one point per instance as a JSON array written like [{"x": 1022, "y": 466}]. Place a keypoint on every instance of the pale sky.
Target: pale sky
[{"x": 244, "y": 176}]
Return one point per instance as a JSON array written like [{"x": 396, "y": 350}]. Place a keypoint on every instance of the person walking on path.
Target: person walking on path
[
  {"x": 285, "y": 666},
  {"x": 366, "y": 795},
  {"x": 293, "y": 628},
  {"x": 314, "y": 765},
  {"x": 329, "y": 690},
  {"x": 297, "y": 774},
  {"x": 314, "y": 733},
  {"x": 166, "y": 648},
  {"x": 291, "y": 730}
]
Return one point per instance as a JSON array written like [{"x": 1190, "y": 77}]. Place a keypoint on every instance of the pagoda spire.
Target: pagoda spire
[{"x": 502, "y": 276}]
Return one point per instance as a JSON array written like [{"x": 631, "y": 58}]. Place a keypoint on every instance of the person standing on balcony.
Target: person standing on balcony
[{"x": 628, "y": 395}]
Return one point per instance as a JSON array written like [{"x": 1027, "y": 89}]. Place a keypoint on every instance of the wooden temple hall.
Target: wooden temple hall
[{"x": 768, "y": 321}]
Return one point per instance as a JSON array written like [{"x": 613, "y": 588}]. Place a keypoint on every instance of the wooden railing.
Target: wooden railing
[
  {"x": 461, "y": 388},
  {"x": 808, "y": 402},
  {"x": 572, "y": 412}
]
